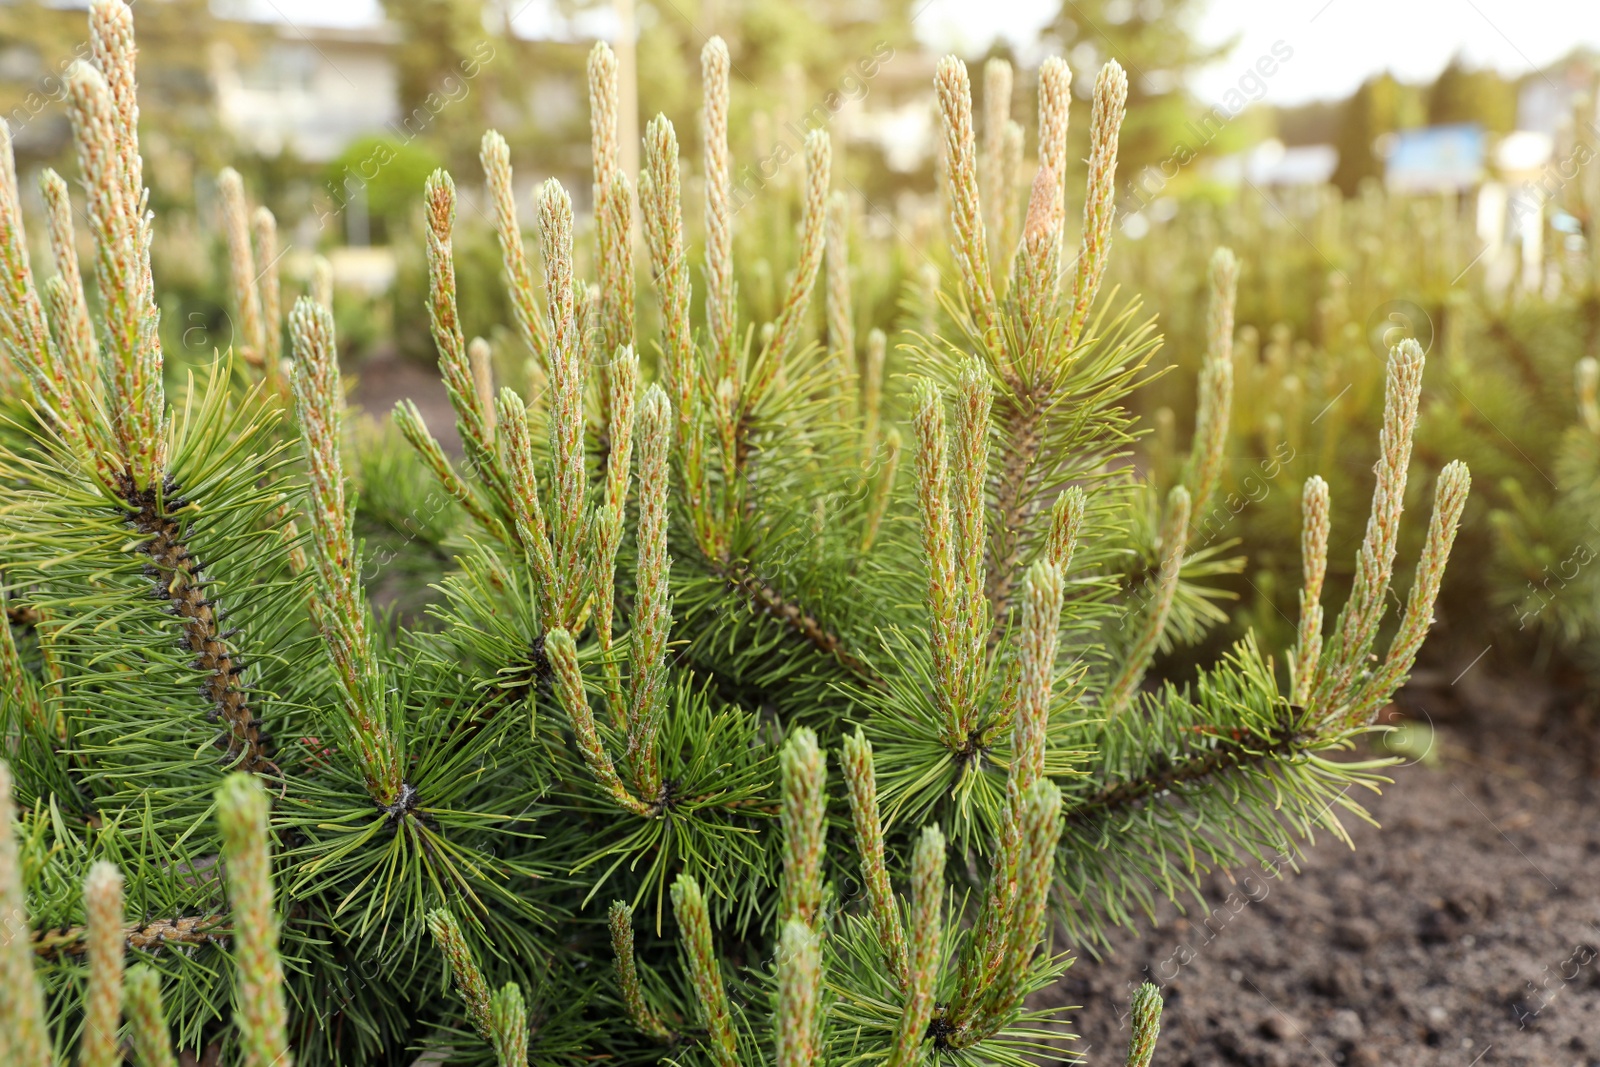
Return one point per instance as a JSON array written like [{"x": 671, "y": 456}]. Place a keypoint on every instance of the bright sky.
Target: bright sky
[{"x": 1336, "y": 43}]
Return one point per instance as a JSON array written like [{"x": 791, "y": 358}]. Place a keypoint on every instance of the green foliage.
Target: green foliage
[
  {"x": 702, "y": 651},
  {"x": 385, "y": 172}
]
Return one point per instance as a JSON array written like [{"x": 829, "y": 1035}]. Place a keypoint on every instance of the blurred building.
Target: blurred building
[
  {"x": 309, "y": 90},
  {"x": 1435, "y": 159}
]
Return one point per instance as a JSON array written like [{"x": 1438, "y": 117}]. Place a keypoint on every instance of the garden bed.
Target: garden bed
[{"x": 1465, "y": 931}]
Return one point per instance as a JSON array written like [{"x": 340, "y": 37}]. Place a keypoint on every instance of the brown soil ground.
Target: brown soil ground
[
  {"x": 383, "y": 378},
  {"x": 1465, "y": 932}
]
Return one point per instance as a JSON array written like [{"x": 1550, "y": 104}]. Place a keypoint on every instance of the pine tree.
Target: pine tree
[{"x": 733, "y": 737}]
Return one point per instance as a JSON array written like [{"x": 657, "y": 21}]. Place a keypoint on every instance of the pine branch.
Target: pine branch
[
  {"x": 178, "y": 577},
  {"x": 771, "y": 601},
  {"x": 146, "y": 937}
]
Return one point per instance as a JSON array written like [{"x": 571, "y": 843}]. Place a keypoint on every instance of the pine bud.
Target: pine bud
[
  {"x": 1216, "y": 384},
  {"x": 813, "y": 226},
  {"x": 882, "y": 489},
  {"x": 872, "y": 390},
  {"x": 264, "y": 228},
  {"x": 840, "y": 314},
  {"x": 147, "y": 1021},
  {"x": 1010, "y": 190},
  {"x": 21, "y": 1006},
  {"x": 694, "y": 923},
  {"x": 241, "y": 264},
  {"x": 1041, "y": 622},
  {"x": 603, "y": 107},
  {"x": 1358, "y": 622},
  {"x": 508, "y": 1022},
  {"x": 102, "y": 1002},
  {"x": 340, "y": 611},
  {"x": 469, "y": 981},
  {"x": 927, "y": 938},
  {"x": 714, "y": 64},
  {"x": 1055, "y": 100},
  {"x": 1162, "y": 589},
  {"x": 799, "y": 994},
  {"x": 1315, "y": 522},
  {"x": 997, "y": 81},
  {"x": 660, "y": 198},
  {"x": 861, "y": 779},
  {"x": 1146, "y": 1019},
  {"x": 1449, "y": 500},
  {"x": 495, "y": 155},
  {"x": 108, "y": 159},
  {"x": 961, "y": 178},
  {"x": 938, "y": 542},
  {"x": 804, "y": 837},
  {"x": 646, "y": 1018},
  {"x": 69, "y": 310},
  {"x": 1066, "y": 523},
  {"x": 260, "y": 1016},
  {"x": 480, "y": 358},
  {"x": 322, "y": 281},
  {"x": 1099, "y": 206},
  {"x": 409, "y": 421},
  {"x": 563, "y": 656},
  {"x": 570, "y": 480},
  {"x": 652, "y": 610}
]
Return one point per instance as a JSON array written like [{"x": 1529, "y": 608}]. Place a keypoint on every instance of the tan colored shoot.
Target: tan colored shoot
[
  {"x": 1314, "y": 528},
  {"x": 804, "y": 837},
  {"x": 102, "y": 1000},
  {"x": 469, "y": 983},
  {"x": 1345, "y": 654},
  {"x": 259, "y": 1011},
  {"x": 1216, "y": 384},
  {"x": 341, "y": 609},
  {"x": 495, "y": 155},
  {"x": 22, "y": 1006},
  {"x": 861, "y": 778},
  {"x": 1156, "y": 602},
  {"x": 563, "y": 656},
  {"x": 719, "y": 210},
  {"x": 645, "y": 1017},
  {"x": 927, "y": 936},
  {"x": 241, "y": 265},
  {"x": 970, "y": 244},
  {"x": 705, "y": 973},
  {"x": 1099, "y": 206}
]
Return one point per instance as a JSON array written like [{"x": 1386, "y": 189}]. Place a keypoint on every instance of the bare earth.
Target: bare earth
[{"x": 1465, "y": 932}]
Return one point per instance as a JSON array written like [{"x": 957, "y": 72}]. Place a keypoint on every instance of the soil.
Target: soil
[
  {"x": 384, "y": 378},
  {"x": 1465, "y": 932}
]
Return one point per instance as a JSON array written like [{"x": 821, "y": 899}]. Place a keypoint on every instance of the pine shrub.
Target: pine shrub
[{"x": 735, "y": 734}]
